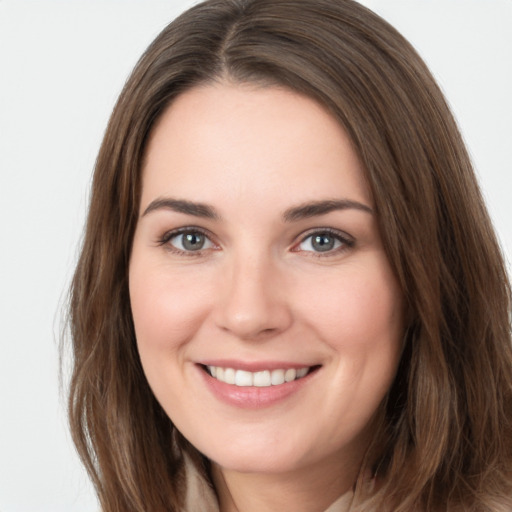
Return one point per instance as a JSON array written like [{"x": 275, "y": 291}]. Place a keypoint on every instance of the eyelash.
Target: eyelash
[
  {"x": 166, "y": 238},
  {"x": 345, "y": 241}
]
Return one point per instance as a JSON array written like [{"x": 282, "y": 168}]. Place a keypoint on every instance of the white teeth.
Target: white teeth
[
  {"x": 302, "y": 372},
  {"x": 243, "y": 378},
  {"x": 290, "y": 375},
  {"x": 277, "y": 377},
  {"x": 261, "y": 379},
  {"x": 264, "y": 378},
  {"x": 229, "y": 376}
]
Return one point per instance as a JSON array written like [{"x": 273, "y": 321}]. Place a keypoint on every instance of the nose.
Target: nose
[{"x": 253, "y": 304}]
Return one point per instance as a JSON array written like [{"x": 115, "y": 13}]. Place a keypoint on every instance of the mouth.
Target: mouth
[
  {"x": 260, "y": 379},
  {"x": 255, "y": 385}
]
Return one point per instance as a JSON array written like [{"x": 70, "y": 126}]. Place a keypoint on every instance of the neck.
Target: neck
[{"x": 311, "y": 489}]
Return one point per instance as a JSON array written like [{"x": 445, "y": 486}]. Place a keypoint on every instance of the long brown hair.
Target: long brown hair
[{"x": 444, "y": 441}]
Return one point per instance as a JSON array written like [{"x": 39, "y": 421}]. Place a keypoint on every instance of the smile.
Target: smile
[{"x": 264, "y": 378}]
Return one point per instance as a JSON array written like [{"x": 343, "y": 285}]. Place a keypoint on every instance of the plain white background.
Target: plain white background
[{"x": 62, "y": 65}]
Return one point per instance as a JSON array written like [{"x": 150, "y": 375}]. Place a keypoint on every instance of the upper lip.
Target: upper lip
[{"x": 255, "y": 366}]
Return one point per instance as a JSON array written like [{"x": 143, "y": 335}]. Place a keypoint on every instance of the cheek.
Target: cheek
[
  {"x": 359, "y": 315},
  {"x": 165, "y": 311},
  {"x": 360, "y": 307}
]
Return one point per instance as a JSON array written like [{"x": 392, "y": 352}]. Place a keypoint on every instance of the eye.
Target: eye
[
  {"x": 189, "y": 240},
  {"x": 324, "y": 242}
]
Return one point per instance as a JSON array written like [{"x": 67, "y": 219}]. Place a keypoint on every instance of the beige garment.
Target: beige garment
[{"x": 200, "y": 497}]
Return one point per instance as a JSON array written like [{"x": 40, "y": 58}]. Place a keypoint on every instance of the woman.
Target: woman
[{"x": 289, "y": 294}]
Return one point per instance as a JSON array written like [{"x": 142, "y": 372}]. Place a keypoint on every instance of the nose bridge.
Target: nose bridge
[{"x": 253, "y": 304}]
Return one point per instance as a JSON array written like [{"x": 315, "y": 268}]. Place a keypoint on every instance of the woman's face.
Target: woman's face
[{"x": 267, "y": 317}]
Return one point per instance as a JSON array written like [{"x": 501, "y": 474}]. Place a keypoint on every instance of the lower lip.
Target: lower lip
[{"x": 253, "y": 397}]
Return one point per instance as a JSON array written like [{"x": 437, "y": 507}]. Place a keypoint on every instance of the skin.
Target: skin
[{"x": 260, "y": 290}]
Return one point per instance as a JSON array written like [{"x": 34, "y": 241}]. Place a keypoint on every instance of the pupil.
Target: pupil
[
  {"x": 193, "y": 241},
  {"x": 323, "y": 242}
]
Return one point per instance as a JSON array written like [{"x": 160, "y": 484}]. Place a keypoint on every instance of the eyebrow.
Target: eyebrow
[
  {"x": 302, "y": 211},
  {"x": 315, "y": 208},
  {"x": 182, "y": 206}
]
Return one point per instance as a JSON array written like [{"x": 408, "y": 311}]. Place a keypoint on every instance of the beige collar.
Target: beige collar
[{"x": 200, "y": 496}]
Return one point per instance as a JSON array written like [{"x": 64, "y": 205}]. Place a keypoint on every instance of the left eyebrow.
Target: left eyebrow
[
  {"x": 182, "y": 206},
  {"x": 312, "y": 209}
]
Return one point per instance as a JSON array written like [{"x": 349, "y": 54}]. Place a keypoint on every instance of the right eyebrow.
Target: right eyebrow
[
  {"x": 316, "y": 208},
  {"x": 182, "y": 206}
]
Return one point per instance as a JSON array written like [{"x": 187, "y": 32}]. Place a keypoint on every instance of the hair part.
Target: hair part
[{"x": 444, "y": 441}]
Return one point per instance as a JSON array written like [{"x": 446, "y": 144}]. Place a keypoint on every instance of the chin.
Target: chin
[
  {"x": 256, "y": 463},
  {"x": 259, "y": 456}
]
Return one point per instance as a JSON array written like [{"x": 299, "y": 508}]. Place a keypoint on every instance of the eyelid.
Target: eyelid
[
  {"x": 164, "y": 240},
  {"x": 346, "y": 240}
]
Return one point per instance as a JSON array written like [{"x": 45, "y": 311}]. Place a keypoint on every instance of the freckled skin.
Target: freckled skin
[{"x": 259, "y": 290}]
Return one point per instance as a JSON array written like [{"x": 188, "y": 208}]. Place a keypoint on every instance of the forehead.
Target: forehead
[{"x": 221, "y": 140}]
